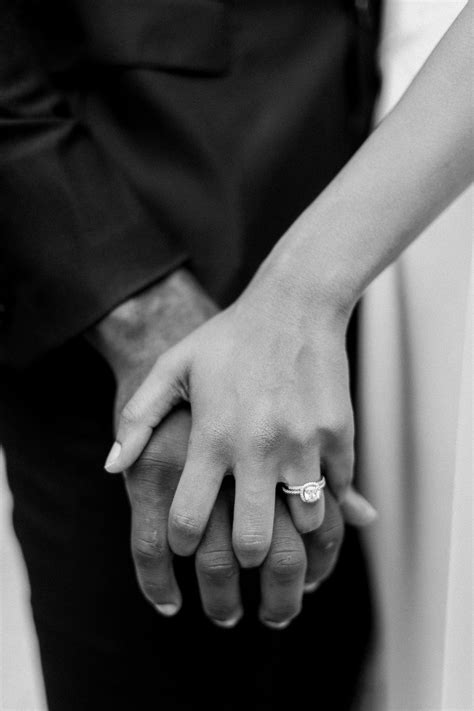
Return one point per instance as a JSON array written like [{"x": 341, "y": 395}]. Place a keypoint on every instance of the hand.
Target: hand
[
  {"x": 293, "y": 565},
  {"x": 269, "y": 391},
  {"x": 130, "y": 339}
]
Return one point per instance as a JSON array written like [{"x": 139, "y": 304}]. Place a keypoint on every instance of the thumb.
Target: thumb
[
  {"x": 357, "y": 510},
  {"x": 163, "y": 388}
]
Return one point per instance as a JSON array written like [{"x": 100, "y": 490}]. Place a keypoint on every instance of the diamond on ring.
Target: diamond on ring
[{"x": 309, "y": 493}]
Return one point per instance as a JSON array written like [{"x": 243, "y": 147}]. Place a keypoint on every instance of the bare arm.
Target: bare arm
[{"x": 413, "y": 165}]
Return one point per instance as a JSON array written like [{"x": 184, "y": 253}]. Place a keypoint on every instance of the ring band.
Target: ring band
[{"x": 309, "y": 492}]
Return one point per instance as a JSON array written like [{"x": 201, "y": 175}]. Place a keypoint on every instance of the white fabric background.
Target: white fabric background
[
  {"x": 21, "y": 687},
  {"x": 416, "y": 429}
]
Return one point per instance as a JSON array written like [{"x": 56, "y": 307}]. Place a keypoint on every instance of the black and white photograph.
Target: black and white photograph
[{"x": 236, "y": 355}]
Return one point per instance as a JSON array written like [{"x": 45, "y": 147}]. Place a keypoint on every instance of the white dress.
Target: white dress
[{"x": 416, "y": 429}]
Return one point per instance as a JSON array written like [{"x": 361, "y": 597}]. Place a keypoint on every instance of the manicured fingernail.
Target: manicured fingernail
[
  {"x": 114, "y": 454},
  {"x": 311, "y": 587},
  {"x": 168, "y": 610},
  {"x": 227, "y": 624},
  {"x": 276, "y": 625}
]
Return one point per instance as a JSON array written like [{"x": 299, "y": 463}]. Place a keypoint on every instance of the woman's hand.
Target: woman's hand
[{"x": 267, "y": 381}]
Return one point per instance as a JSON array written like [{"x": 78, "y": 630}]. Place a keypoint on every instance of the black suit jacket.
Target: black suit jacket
[{"x": 137, "y": 135}]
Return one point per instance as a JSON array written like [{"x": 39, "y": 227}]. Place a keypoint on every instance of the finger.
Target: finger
[
  {"x": 323, "y": 545},
  {"x": 217, "y": 568},
  {"x": 338, "y": 465},
  {"x": 307, "y": 514},
  {"x": 194, "y": 498},
  {"x": 253, "y": 513},
  {"x": 151, "y": 493},
  {"x": 164, "y": 387},
  {"x": 357, "y": 510},
  {"x": 283, "y": 572}
]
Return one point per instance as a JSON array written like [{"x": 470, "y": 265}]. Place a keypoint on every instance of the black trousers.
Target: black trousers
[{"x": 102, "y": 645}]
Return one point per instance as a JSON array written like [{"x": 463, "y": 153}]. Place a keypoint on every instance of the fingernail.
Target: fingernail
[
  {"x": 276, "y": 625},
  {"x": 311, "y": 587},
  {"x": 360, "y": 510},
  {"x": 168, "y": 610},
  {"x": 114, "y": 454},
  {"x": 226, "y": 624},
  {"x": 370, "y": 512}
]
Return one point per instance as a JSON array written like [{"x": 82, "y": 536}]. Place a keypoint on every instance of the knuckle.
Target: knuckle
[
  {"x": 340, "y": 485},
  {"x": 154, "y": 461},
  {"x": 336, "y": 426},
  {"x": 286, "y": 565},
  {"x": 302, "y": 433},
  {"x": 294, "y": 432},
  {"x": 144, "y": 472},
  {"x": 286, "y": 610},
  {"x": 141, "y": 489},
  {"x": 211, "y": 432},
  {"x": 151, "y": 478},
  {"x": 152, "y": 589},
  {"x": 348, "y": 461},
  {"x": 330, "y": 539},
  {"x": 147, "y": 551},
  {"x": 130, "y": 414},
  {"x": 219, "y": 610},
  {"x": 185, "y": 526},
  {"x": 218, "y": 567},
  {"x": 263, "y": 440},
  {"x": 209, "y": 437},
  {"x": 251, "y": 547}
]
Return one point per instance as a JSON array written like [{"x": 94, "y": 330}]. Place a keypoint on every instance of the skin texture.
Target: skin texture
[
  {"x": 293, "y": 561},
  {"x": 266, "y": 423},
  {"x": 267, "y": 379},
  {"x": 131, "y": 338}
]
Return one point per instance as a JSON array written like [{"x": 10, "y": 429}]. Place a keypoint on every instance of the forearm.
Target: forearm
[{"x": 417, "y": 161}]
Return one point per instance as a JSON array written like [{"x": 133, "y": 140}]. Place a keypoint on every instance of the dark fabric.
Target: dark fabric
[
  {"x": 76, "y": 238},
  {"x": 135, "y": 136},
  {"x": 102, "y": 645}
]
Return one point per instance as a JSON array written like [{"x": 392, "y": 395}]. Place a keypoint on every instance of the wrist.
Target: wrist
[
  {"x": 134, "y": 334},
  {"x": 316, "y": 267},
  {"x": 296, "y": 290}
]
